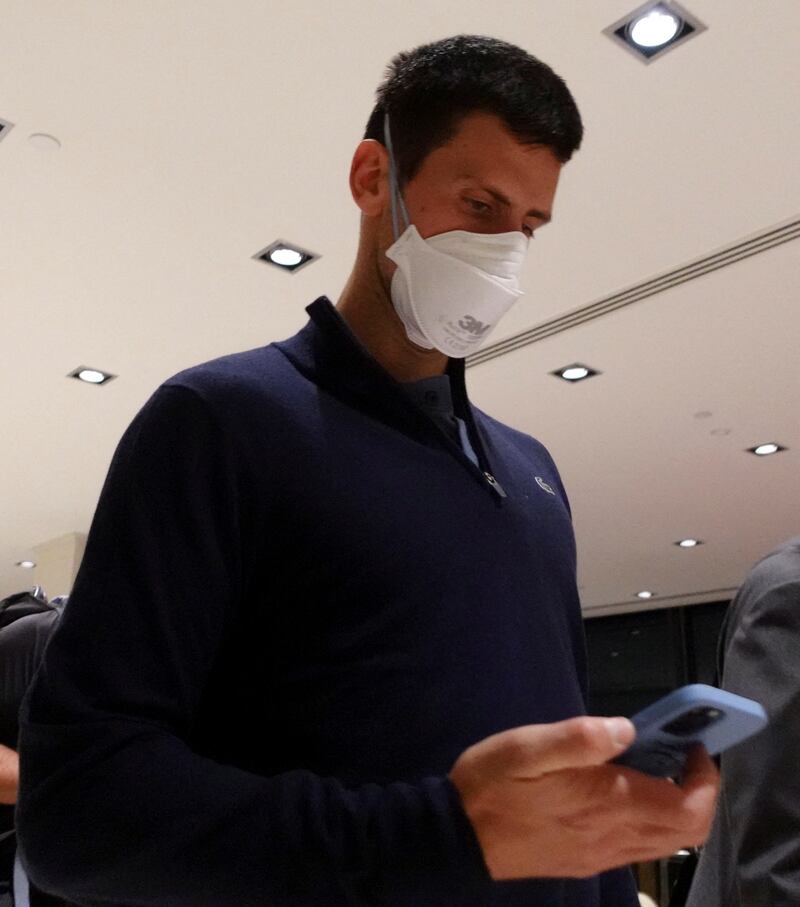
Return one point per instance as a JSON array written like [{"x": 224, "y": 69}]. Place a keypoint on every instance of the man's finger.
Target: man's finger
[
  {"x": 535, "y": 750},
  {"x": 700, "y": 769},
  {"x": 700, "y": 783}
]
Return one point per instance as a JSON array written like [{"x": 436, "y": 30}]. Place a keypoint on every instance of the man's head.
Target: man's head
[
  {"x": 429, "y": 90},
  {"x": 480, "y": 130},
  {"x": 471, "y": 104}
]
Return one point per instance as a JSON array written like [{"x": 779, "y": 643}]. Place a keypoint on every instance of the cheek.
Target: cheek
[
  {"x": 429, "y": 213},
  {"x": 443, "y": 219},
  {"x": 421, "y": 218}
]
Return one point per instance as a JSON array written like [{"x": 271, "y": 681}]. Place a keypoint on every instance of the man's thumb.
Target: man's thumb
[{"x": 576, "y": 743}]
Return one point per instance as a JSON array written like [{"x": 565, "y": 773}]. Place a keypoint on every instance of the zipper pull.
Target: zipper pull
[{"x": 495, "y": 484}]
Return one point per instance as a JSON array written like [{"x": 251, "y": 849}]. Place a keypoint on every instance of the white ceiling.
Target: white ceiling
[{"x": 195, "y": 133}]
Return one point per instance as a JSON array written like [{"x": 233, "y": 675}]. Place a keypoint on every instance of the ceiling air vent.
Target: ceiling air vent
[{"x": 5, "y": 127}]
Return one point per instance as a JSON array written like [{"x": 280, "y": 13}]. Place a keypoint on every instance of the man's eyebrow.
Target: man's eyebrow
[{"x": 544, "y": 216}]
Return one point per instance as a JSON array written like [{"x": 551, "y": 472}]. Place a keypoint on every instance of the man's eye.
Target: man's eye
[{"x": 480, "y": 207}]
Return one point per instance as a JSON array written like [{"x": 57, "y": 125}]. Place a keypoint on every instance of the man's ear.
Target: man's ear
[{"x": 369, "y": 177}]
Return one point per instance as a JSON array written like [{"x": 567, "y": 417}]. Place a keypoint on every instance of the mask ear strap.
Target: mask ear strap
[{"x": 393, "y": 180}]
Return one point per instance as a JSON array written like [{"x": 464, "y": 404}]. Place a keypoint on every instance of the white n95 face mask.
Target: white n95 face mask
[{"x": 451, "y": 290}]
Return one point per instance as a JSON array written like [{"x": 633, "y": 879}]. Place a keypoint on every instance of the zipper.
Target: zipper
[
  {"x": 495, "y": 485},
  {"x": 463, "y": 432}
]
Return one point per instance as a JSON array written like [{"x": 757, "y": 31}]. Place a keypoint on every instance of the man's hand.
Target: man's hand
[{"x": 544, "y": 802}]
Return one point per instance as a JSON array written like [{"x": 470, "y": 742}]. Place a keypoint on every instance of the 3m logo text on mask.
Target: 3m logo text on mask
[{"x": 473, "y": 326}]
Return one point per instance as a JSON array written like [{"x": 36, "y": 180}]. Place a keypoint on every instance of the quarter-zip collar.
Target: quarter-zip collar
[{"x": 327, "y": 352}]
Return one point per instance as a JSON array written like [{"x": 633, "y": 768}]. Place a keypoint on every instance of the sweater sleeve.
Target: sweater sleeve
[
  {"x": 618, "y": 888},
  {"x": 115, "y": 806}
]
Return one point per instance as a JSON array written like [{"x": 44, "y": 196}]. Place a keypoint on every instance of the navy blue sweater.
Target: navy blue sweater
[{"x": 299, "y": 603}]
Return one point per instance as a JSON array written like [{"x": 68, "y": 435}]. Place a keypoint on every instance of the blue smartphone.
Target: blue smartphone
[{"x": 670, "y": 727}]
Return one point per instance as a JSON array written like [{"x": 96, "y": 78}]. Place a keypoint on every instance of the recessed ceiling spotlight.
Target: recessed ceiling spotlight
[
  {"x": 575, "y": 372},
  {"x": 286, "y": 256},
  {"x": 5, "y": 128},
  {"x": 654, "y": 28},
  {"x": 764, "y": 450},
  {"x": 644, "y": 594},
  {"x": 26, "y": 565},
  {"x": 688, "y": 543},
  {"x": 91, "y": 375}
]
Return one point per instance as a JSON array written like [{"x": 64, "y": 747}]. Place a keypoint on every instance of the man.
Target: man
[
  {"x": 325, "y": 646},
  {"x": 753, "y": 853},
  {"x": 27, "y": 620}
]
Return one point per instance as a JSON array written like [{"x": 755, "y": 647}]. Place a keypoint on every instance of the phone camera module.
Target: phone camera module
[{"x": 693, "y": 721}]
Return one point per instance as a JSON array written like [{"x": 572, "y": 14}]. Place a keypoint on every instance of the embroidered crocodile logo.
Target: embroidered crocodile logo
[{"x": 543, "y": 485}]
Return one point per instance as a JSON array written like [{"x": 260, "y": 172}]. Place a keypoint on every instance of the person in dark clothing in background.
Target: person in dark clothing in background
[
  {"x": 27, "y": 621},
  {"x": 752, "y": 858},
  {"x": 325, "y": 646}
]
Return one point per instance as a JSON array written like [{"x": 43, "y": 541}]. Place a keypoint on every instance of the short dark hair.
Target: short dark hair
[{"x": 429, "y": 90}]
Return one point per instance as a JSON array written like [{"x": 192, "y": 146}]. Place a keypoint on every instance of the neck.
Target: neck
[{"x": 367, "y": 309}]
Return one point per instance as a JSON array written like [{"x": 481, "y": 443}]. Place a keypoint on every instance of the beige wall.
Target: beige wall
[{"x": 57, "y": 563}]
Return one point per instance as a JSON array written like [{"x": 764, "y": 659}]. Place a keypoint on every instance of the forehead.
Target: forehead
[{"x": 484, "y": 148}]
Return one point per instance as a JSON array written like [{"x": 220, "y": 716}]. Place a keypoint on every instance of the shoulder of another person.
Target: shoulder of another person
[
  {"x": 28, "y": 627},
  {"x": 767, "y": 601},
  {"x": 29, "y": 621},
  {"x": 773, "y": 580}
]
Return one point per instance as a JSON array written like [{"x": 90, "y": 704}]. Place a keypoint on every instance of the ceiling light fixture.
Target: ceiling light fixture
[
  {"x": 764, "y": 450},
  {"x": 286, "y": 256},
  {"x": 91, "y": 375},
  {"x": 575, "y": 372},
  {"x": 26, "y": 565},
  {"x": 654, "y": 28},
  {"x": 688, "y": 543},
  {"x": 644, "y": 594}
]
